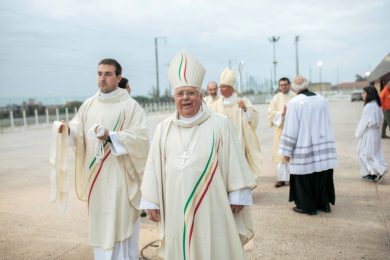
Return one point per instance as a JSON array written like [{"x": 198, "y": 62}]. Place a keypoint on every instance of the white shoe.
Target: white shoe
[{"x": 380, "y": 178}]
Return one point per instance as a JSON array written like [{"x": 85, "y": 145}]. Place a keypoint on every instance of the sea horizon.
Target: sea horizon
[{"x": 45, "y": 100}]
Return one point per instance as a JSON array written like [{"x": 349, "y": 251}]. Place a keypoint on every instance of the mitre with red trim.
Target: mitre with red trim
[{"x": 185, "y": 70}]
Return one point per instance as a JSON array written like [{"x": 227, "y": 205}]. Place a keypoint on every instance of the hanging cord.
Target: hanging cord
[{"x": 99, "y": 147}]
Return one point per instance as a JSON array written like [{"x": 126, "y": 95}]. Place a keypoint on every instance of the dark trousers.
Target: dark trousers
[
  {"x": 312, "y": 191},
  {"x": 386, "y": 121}
]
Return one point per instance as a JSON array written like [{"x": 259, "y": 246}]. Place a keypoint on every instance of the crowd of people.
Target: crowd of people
[{"x": 197, "y": 175}]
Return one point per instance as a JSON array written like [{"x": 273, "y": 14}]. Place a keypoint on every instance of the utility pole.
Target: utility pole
[
  {"x": 240, "y": 68},
  {"x": 274, "y": 40},
  {"x": 230, "y": 63},
  {"x": 156, "y": 50},
  {"x": 271, "y": 83},
  {"x": 296, "y": 55},
  {"x": 319, "y": 64}
]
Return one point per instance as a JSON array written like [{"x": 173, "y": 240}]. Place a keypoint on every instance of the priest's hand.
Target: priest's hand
[
  {"x": 154, "y": 214},
  {"x": 287, "y": 158},
  {"x": 62, "y": 126},
  {"x": 236, "y": 208},
  {"x": 99, "y": 135},
  {"x": 241, "y": 105},
  {"x": 284, "y": 110}
]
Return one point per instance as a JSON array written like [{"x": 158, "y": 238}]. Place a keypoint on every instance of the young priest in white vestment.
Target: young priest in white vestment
[
  {"x": 276, "y": 112},
  {"x": 197, "y": 184},
  {"x": 110, "y": 141}
]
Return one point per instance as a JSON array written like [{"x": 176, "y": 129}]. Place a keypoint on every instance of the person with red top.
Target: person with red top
[{"x": 385, "y": 99}]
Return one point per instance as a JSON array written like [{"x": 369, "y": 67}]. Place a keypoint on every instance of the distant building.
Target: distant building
[
  {"x": 381, "y": 74},
  {"x": 320, "y": 87},
  {"x": 347, "y": 87}
]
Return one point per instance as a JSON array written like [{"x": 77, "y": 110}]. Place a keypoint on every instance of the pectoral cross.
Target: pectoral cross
[{"x": 184, "y": 157}]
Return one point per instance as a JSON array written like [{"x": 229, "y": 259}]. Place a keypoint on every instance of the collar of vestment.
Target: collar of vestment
[
  {"x": 307, "y": 92},
  {"x": 113, "y": 97},
  {"x": 200, "y": 117},
  {"x": 232, "y": 100},
  {"x": 216, "y": 97}
]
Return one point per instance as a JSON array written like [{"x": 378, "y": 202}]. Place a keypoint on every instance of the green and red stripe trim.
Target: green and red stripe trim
[
  {"x": 97, "y": 174},
  {"x": 190, "y": 198},
  {"x": 105, "y": 143},
  {"x": 106, "y": 155},
  {"x": 183, "y": 57}
]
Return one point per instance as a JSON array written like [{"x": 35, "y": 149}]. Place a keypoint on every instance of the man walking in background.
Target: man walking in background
[
  {"x": 212, "y": 98},
  {"x": 308, "y": 145},
  {"x": 276, "y": 113},
  {"x": 385, "y": 100}
]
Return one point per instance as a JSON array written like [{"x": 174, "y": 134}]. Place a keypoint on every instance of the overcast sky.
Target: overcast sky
[{"x": 52, "y": 47}]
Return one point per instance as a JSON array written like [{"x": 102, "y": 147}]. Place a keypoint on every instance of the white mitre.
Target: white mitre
[
  {"x": 228, "y": 77},
  {"x": 185, "y": 70}
]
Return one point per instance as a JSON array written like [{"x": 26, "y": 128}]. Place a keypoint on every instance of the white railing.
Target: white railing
[
  {"x": 23, "y": 121},
  {"x": 49, "y": 115}
]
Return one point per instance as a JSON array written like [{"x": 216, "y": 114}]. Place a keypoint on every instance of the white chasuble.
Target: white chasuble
[
  {"x": 276, "y": 119},
  {"x": 211, "y": 101},
  {"x": 245, "y": 129},
  {"x": 110, "y": 185},
  {"x": 191, "y": 169}
]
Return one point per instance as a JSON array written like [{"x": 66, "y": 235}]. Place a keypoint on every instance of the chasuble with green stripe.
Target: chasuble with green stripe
[{"x": 192, "y": 188}]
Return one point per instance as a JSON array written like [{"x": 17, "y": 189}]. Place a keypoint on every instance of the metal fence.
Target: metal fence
[{"x": 52, "y": 114}]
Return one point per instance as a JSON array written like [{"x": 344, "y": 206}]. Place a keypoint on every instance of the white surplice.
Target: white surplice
[
  {"x": 368, "y": 132},
  {"x": 307, "y": 136}
]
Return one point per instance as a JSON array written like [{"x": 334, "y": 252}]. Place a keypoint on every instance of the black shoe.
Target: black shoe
[
  {"x": 279, "y": 184},
  {"x": 326, "y": 208},
  {"x": 369, "y": 177},
  {"x": 301, "y": 211},
  {"x": 385, "y": 137}
]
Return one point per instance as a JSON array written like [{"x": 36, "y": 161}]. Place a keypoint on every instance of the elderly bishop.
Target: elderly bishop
[{"x": 197, "y": 184}]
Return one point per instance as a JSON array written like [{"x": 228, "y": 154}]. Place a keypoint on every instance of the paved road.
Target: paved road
[{"x": 357, "y": 228}]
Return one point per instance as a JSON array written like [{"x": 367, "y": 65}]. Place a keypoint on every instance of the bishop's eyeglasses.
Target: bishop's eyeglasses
[{"x": 190, "y": 94}]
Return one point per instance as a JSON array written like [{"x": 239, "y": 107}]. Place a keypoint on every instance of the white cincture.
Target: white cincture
[{"x": 99, "y": 148}]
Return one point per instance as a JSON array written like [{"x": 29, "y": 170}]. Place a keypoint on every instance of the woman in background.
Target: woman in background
[{"x": 372, "y": 163}]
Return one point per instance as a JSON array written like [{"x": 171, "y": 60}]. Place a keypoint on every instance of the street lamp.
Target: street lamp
[
  {"x": 296, "y": 55},
  {"x": 319, "y": 64},
  {"x": 273, "y": 40},
  {"x": 156, "y": 49},
  {"x": 230, "y": 63},
  {"x": 240, "y": 68}
]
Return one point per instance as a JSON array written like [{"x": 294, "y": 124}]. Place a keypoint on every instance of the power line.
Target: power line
[{"x": 45, "y": 19}]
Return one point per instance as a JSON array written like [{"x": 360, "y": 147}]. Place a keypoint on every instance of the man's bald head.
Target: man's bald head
[
  {"x": 299, "y": 83},
  {"x": 212, "y": 88}
]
